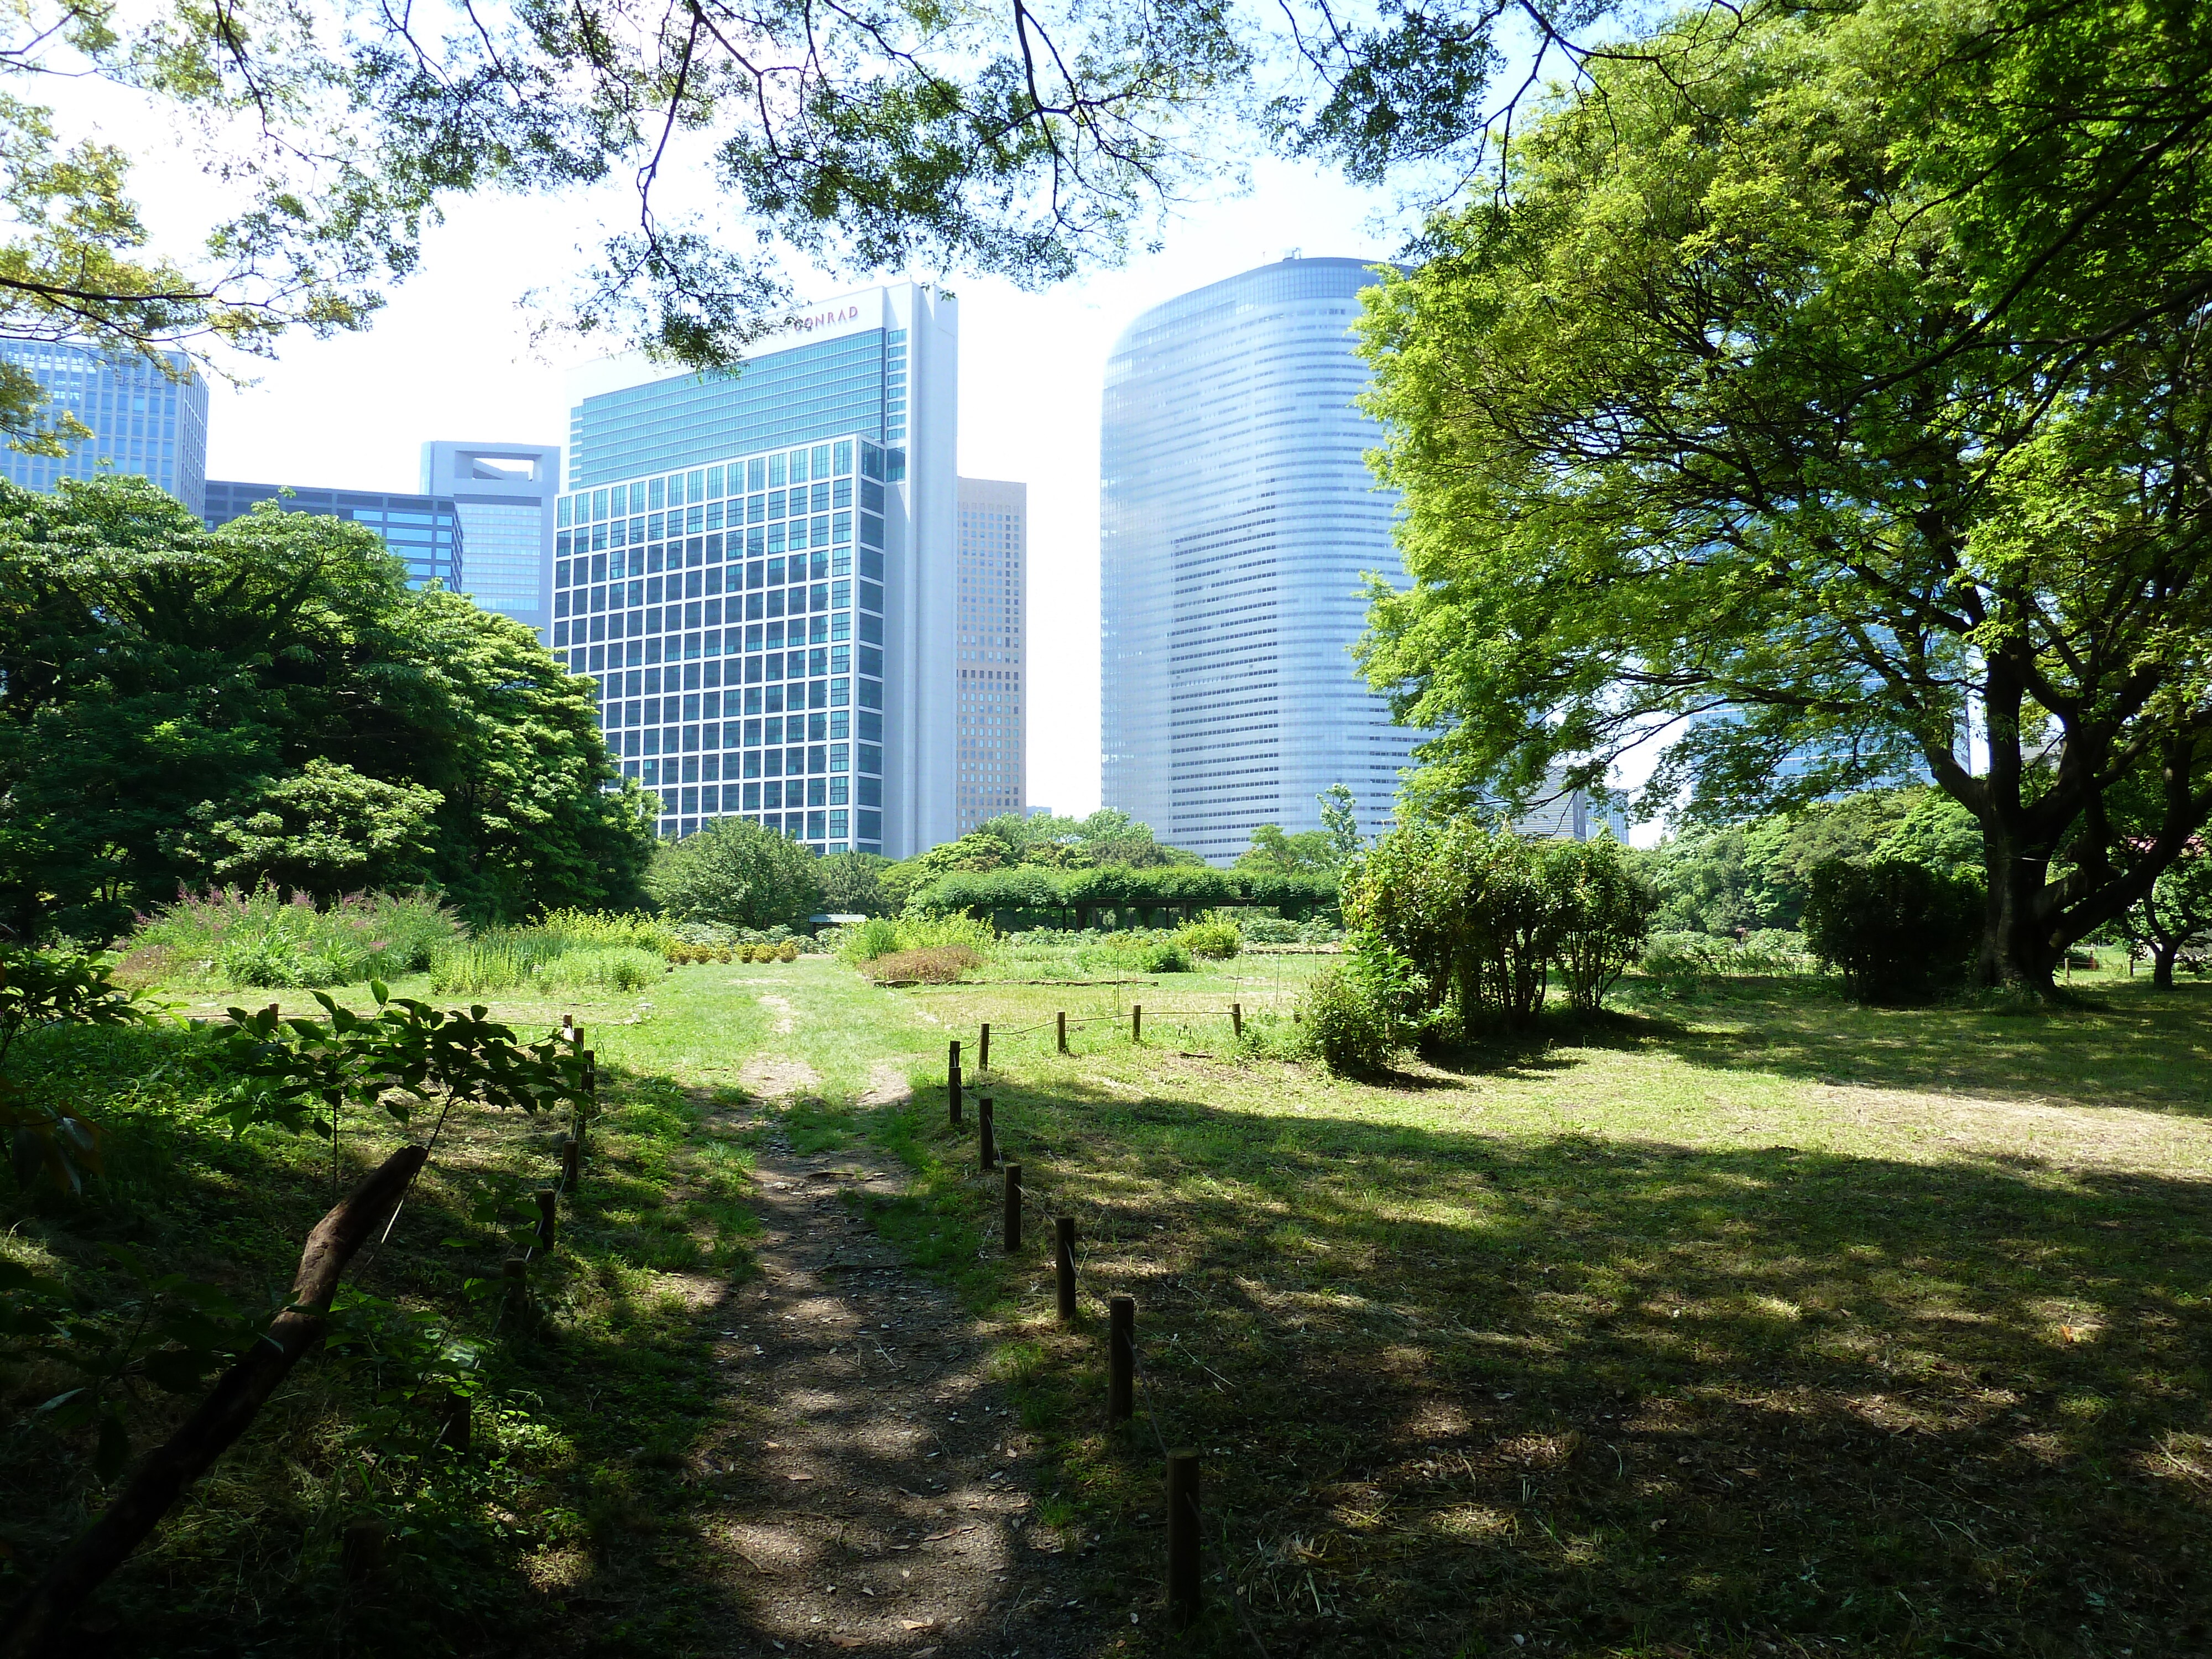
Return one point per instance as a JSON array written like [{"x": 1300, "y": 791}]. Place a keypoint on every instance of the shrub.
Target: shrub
[
  {"x": 258, "y": 938},
  {"x": 938, "y": 964},
  {"x": 1162, "y": 956},
  {"x": 878, "y": 936},
  {"x": 1897, "y": 932},
  {"x": 737, "y": 873},
  {"x": 1358, "y": 1016},
  {"x": 788, "y": 952},
  {"x": 1603, "y": 914},
  {"x": 1216, "y": 938}
]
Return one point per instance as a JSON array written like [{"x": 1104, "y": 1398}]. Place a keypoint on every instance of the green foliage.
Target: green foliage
[
  {"x": 852, "y": 884},
  {"x": 1764, "y": 400},
  {"x": 1308, "y": 853},
  {"x": 48, "y": 1139},
  {"x": 1360, "y": 1015},
  {"x": 564, "y": 948},
  {"x": 1604, "y": 915},
  {"x": 736, "y": 872},
  {"x": 1121, "y": 888},
  {"x": 229, "y": 937},
  {"x": 324, "y": 831},
  {"x": 878, "y": 936},
  {"x": 1897, "y": 932},
  {"x": 1683, "y": 961},
  {"x": 252, "y": 697},
  {"x": 1339, "y": 822},
  {"x": 610, "y": 967},
  {"x": 1216, "y": 938},
  {"x": 296, "y": 1073}
]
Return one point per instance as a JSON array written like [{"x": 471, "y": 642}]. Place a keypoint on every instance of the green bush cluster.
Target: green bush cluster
[
  {"x": 259, "y": 938},
  {"x": 615, "y": 952},
  {"x": 883, "y": 936},
  {"x": 1216, "y": 938},
  {"x": 1473, "y": 921},
  {"x": 1897, "y": 931},
  {"x": 1682, "y": 960},
  {"x": 1080, "y": 894}
]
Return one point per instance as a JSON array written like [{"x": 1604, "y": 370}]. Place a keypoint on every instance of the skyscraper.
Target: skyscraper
[
  {"x": 993, "y": 634},
  {"x": 1237, "y": 518},
  {"x": 424, "y": 530},
  {"x": 504, "y": 493},
  {"x": 143, "y": 421},
  {"x": 757, "y": 569}
]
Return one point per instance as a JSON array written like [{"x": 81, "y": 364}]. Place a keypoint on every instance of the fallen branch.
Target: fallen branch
[{"x": 223, "y": 1417}]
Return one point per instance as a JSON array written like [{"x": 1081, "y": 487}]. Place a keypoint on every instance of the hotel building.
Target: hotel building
[{"x": 755, "y": 569}]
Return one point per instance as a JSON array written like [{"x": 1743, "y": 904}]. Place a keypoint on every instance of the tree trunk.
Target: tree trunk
[
  {"x": 2017, "y": 948},
  {"x": 2161, "y": 957},
  {"x": 39, "y": 1618}
]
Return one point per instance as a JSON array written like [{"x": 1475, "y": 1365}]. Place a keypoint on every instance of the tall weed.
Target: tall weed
[{"x": 230, "y": 936}]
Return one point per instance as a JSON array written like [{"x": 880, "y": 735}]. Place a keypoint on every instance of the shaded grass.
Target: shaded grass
[{"x": 1640, "y": 1335}]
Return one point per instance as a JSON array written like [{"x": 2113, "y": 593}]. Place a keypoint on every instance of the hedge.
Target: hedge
[{"x": 1181, "y": 887}]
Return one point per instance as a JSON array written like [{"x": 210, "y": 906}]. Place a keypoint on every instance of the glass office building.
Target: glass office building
[
  {"x": 424, "y": 530},
  {"x": 994, "y": 620},
  {"x": 504, "y": 494},
  {"x": 142, "y": 421},
  {"x": 755, "y": 569},
  {"x": 1237, "y": 516}
]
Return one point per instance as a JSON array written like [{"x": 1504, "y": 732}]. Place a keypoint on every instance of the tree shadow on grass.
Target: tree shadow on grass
[
  {"x": 1456, "y": 1389},
  {"x": 2130, "y": 1045}
]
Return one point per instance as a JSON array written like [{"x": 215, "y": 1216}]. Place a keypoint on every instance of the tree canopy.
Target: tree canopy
[
  {"x": 735, "y": 873},
  {"x": 269, "y": 700},
  {"x": 1820, "y": 390}
]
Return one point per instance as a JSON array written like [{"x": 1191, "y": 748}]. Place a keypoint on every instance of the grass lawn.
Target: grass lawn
[{"x": 1754, "y": 1324}]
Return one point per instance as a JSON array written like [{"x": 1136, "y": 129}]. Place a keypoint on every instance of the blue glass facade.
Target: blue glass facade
[
  {"x": 731, "y": 617},
  {"x": 772, "y": 402},
  {"x": 1237, "y": 516},
  {"x": 425, "y": 530},
  {"x": 142, "y": 421}
]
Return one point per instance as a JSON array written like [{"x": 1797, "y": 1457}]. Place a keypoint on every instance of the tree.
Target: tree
[
  {"x": 157, "y": 680},
  {"x": 1339, "y": 822},
  {"x": 851, "y": 885},
  {"x": 735, "y": 873},
  {"x": 1820, "y": 388},
  {"x": 323, "y": 831},
  {"x": 1604, "y": 915},
  {"x": 1308, "y": 853}
]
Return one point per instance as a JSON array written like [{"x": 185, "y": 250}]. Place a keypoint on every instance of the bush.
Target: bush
[
  {"x": 938, "y": 964},
  {"x": 1602, "y": 916},
  {"x": 735, "y": 873},
  {"x": 258, "y": 938},
  {"x": 1897, "y": 932},
  {"x": 1162, "y": 956},
  {"x": 1216, "y": 938},
  {"x": 1359, "y": 1016},
  {"x": 878, "y": 936}
]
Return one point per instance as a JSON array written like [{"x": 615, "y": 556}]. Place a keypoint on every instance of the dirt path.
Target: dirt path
[{"x": 889, "y": 1509}]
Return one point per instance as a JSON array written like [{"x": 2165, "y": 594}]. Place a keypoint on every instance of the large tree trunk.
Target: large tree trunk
[
  {"x": 2161, "y": 957},
  {"x": 2017, "y": 948}
]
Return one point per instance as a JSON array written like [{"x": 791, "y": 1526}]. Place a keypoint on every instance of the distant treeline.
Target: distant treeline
[{"x": 1075, "y": 896}]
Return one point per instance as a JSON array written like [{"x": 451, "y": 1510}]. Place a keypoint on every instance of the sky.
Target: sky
[{"x": 452, "y": 356}]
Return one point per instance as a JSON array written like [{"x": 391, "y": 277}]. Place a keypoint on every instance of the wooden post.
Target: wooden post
[
  {"x": 513, "y": 1270},
  {"x": 276, "y": 1011},
  {"x": 545, "y": 1196},
  {"x": 1062, "y": 1019},
  {"x": 983, "y": 1051},
  {"x": 952, "y": 1085},
  {"x": 1012, "y": 1224},
  {"x": 1136, "y": 1022},
  {"x": 1120, "y": 1359},
  {"x": 986, "y": 1146},
  {"x": 569, "y": 1029},
  {"x": 572, "y": 1162},
  {"x": 361, "y": 1550},
  {"x": 1236, "y": 1020},
  {"x": 1063, "y": 1256},
  {"x": 1183, "y": 1537}
]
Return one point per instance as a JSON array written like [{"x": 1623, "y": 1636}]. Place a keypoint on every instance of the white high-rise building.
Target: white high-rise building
[
  {"x": 504, "y": 495},
  {"x": 1236, "y": 518},
  {"x": 757, "y": 569},
  {"x": 993, "y": 601}
]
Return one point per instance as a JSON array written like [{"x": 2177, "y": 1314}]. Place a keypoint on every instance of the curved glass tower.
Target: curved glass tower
[{"x": 1237, "y": 517}]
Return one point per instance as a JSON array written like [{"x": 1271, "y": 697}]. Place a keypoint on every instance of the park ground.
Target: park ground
[{"x": 1742, "y": 1324}]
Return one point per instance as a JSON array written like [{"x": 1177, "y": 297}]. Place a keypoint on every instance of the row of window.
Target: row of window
[
  {"x": 828, "y": 530},
  {"x": 831, "y": 463},
  {"x": 774, "y": 601},
  {"x": 809, "y": 826},
  {"x": 821, "y": 789}
]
